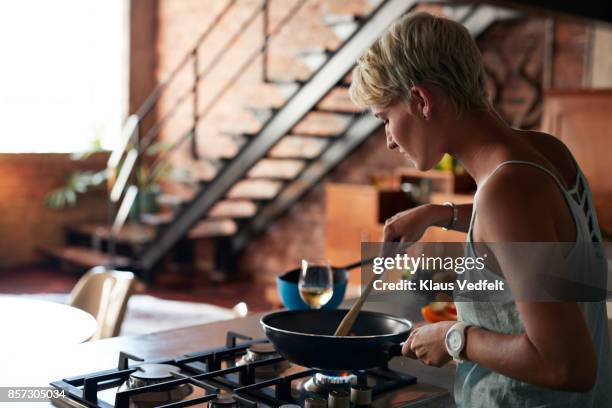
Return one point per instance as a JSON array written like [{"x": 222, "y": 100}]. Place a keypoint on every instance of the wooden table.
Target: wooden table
[{"x": 39, "y": 325}]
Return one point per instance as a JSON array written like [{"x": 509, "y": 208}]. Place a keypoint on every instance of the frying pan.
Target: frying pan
[{"x": 306, "y": 338}]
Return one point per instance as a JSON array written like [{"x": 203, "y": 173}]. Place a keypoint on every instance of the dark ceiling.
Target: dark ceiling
[{"x": 597, "y": 10}]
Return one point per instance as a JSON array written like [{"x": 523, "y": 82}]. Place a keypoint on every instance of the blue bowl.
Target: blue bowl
[{"x": 287, "y": 285}]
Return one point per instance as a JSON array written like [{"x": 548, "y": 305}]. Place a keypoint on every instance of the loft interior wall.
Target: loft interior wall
[{"x": 26, "y": 224}]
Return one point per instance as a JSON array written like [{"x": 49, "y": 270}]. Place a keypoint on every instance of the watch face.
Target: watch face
[{"x": 454, "y": 340}]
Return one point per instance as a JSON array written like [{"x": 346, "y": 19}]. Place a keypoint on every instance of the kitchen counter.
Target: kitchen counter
[{"x": 42, "y": 366}]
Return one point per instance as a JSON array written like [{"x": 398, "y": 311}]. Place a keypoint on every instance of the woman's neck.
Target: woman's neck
[{"x": 480, "y": 141}]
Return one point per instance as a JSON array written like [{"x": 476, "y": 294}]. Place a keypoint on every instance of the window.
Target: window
[{"x": 63, "y": 76}]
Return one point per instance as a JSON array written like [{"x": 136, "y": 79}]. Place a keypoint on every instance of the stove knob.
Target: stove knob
[
  {"x": 338, "y": 399},
  {"x": 315, "y": 402},
  {"x": 360, "y": 395}
]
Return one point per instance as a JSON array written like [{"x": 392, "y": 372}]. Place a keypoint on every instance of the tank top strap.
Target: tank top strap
[
  {"x": 532, "y": 164},
  {"x": 565, "y": 191}
]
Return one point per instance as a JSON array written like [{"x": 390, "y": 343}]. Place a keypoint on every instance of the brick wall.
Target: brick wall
[
  {"x": 301, "y": 232},
  {"x": 25, "y": 223}
]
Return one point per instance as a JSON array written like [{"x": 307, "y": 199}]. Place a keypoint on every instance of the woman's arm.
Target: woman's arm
[
  {"x": 555, "y": 350},
  {"x": 410, "y": 225},
  {"x": 443, "y": 214}
]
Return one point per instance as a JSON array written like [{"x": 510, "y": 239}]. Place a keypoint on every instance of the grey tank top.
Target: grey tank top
[{"x": 479, "y": 387}]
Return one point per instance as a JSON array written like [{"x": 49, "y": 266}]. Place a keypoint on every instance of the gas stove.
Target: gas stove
[{"x": 246, "y": 372}]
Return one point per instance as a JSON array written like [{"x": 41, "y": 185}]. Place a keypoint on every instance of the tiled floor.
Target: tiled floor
[{"x": 53, "y": 280}]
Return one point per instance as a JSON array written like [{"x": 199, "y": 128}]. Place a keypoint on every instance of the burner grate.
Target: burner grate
[{"x": 214, "y": 373}]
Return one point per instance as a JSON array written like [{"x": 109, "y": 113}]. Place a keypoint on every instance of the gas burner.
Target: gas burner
[
  {"x": 259, "y": 351},
  {"x": 225, "y": 401},
  {"x": 264, "y": 351},
  {"x": 323, "y": 382},
  {"x": 150, "y": 374}
]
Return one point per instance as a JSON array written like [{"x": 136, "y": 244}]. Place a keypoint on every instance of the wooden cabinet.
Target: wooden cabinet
[
  {"x": 356, "y": 213},
  {"x": 583, "y": 121}
]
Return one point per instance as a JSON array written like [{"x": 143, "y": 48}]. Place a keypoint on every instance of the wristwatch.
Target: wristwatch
[
  {"x": 453, "y": 220},
  {"x": 455, "y": 340}
]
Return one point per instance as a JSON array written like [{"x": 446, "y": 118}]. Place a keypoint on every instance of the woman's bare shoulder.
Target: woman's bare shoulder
[
  {"x": 515, "y": 205},
  {"x": 557, "y": 156}
]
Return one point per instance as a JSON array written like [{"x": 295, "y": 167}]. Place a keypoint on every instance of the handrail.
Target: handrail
[
  {"x": 120, "y": 164},
  {"x": 231, "y": 82},
  {"x": 118, "y": 180},
  {"x": 148, "y": 138},
  {"x": 128, "y": 133},
  {"x": 152, "y": 99},
  {"x": 124, "y": 174}
]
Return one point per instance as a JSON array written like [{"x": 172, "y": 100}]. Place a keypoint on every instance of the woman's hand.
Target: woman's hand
[
  {"x": 426, "y": 343},
  {"x": 409, "y": 225}
]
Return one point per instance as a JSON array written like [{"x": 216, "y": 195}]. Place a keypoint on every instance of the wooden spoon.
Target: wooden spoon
[
  {"x": 344, "y": 328},
  {"x": 346, "y": 324}
]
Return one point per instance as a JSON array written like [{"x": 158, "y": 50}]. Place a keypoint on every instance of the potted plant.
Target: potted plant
[{"x": 149, "y": 176}]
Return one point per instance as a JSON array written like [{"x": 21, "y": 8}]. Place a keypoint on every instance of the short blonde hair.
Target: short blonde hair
[{"x": 418, "y": 49}]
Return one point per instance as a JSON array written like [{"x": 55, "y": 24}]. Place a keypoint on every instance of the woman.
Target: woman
[{"x": 425, "y": 80}]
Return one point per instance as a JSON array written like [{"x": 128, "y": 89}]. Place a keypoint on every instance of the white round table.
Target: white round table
[{"x": 26, "y": 323}]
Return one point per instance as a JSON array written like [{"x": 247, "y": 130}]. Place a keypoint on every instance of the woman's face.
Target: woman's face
[{"x": 409, "y": 128}]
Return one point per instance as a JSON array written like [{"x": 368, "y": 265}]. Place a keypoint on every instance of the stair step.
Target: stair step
[
  {"x": 244, "y": 136},
  {"x": 221, "y": 146},
  {"x": 307, "y": 135},
  {"x": 131, "y": 234},
  {"x": 172, "y": 200},
  {"x": 85, "y": 257},
  {"x": 314, "y": 58},
  {"x": 158, "y": 219},
  {"x": 322, "y": 123},
  {"x": 217, "y": 164},
  {"x": 287, "y": 89},
  {"x": 262, "y": 114},
  {"x": 237, "y": 138},
  {"x": 233, "y": 209},
  {"x": 255, "y": 189},
  {"x": 338, "y": 100},
  {"x": 213, "y": 228},
  {"x": 282, "y": 82},
  {"x": 333, "y": 18},
  {"x": 276, "y": 168},
  {"x": 298, "y": 147},
  {"x": 343, "y": 25}
]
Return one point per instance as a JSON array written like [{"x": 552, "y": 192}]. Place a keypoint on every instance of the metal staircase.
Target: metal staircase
[{"x": 271, "y": 168}]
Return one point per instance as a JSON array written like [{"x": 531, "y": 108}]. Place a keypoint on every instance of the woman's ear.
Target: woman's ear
[{"x": 424, "y": 100}]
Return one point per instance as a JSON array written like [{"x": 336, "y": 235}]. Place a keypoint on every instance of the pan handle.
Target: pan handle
[
  {"x": 363, "y": 262},
  {"x": 354, "y": 265},
  {"x": 394, "y": 350}
]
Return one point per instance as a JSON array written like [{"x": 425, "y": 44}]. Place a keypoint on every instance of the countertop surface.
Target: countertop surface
[{"x": 43, "y": 365}]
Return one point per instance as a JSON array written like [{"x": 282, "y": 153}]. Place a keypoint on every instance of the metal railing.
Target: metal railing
[{"x": 127, "y": 157}]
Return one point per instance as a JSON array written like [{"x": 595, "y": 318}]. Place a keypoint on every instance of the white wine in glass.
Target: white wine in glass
[{"x": 316, "y": 283}]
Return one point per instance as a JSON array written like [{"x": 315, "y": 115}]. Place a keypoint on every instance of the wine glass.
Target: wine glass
[{"x": 316, "y": 282}]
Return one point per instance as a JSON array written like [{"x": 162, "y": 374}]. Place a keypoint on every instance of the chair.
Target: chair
[{"x": 104, "y": 293}]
